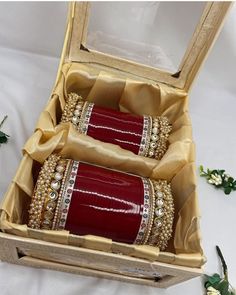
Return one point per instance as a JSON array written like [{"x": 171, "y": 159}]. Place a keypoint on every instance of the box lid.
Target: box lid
[{"x": 108, "y": 34}]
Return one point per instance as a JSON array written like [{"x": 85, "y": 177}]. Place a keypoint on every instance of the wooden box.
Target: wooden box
[{"x": 129, "y": 86}]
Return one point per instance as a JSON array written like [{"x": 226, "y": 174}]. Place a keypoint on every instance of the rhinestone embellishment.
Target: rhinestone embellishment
[
  {"x": 58, "y": 176},
  {"x": 159, "y": 202},
  {"x": 55, "y": 184},
  {"x": 51, "y": 206},
  {"x": 159, "y": 212},
  {"x": 75, "y": 120},
  {"x": 60, "y": 168},
  {"x": 53, "y": 195}
]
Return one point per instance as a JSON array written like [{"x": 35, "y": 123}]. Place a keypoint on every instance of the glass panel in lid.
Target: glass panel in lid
[{"x": 156, "y": 34}]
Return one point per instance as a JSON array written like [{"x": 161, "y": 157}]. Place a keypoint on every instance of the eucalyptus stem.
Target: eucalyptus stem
[
  {"x": 4, "y": 119},
  {"x": 224, "y": 265}
]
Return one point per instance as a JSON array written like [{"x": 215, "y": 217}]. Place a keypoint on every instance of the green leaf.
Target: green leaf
[
  {"x": 230, "y": 179},
  {"x": 201, "y": 168},
  {"x": 214, "y": 171},
  {"x": 3, "y": 137},
  {"x": 225, "y": 184},
  {"x": 227, "y": 190},
  {"x": 3, "y": 134},
  {"x": 211, "y": 280},
  {"x": 223, "y": 287}
]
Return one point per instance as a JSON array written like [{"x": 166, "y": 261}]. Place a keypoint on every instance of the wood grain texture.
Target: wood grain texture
[{"x": 30, "y": 252}]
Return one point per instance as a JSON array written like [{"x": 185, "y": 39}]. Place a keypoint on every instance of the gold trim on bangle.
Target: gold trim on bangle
[
  {"x": 61, "y": 195},
  {"x": 147, "y": 213},
  {"x": 85, "y": 117},
  {"x": 158, "y": 138},
  {"x": 72, "y": 109},
  {"x": 161, "y": 229},
  {"x": 67, "y": 195},
  {"x": 158, "y": 214},
  {"x": 49, "y": 185},
  {"x": 78, "y": 112},
  {"x": 152, "y": 211}
]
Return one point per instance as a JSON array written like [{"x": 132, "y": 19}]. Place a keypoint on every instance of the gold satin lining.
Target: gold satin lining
[{"x": 177, "y": 165}]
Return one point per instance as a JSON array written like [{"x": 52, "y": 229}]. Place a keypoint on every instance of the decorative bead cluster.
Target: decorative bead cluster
[
  {"x": 47, "y": 191},
  {"x": 41, "y": 191},
  {"x": 164, "y": 214},
  {"x": 73, "y": 109},
  {"x": 52, "y": 203},
  {"x": 158, "y": 138},
  {"x": 78, "y": 112}
]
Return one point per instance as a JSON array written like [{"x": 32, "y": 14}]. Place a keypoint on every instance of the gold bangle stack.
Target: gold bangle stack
[
  {"x": 161, "y": 229},
  {"x": 47, "y": 192},
  {"x": 155, "y": 135}
]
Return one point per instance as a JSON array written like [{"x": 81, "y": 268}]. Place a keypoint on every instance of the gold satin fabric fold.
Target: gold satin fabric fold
[{"x": 177, "y": 165}]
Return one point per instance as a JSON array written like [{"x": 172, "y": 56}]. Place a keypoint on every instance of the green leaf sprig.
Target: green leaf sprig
[
  {"x": 219, "y": 179},
  {"x": 3, "y": 136},
  {"x": 217, "y": 285}
]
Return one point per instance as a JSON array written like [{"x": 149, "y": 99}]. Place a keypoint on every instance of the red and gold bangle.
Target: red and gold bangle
[
  {"x": 144, "y": 135},
  {"x": 87, "y": 199}
]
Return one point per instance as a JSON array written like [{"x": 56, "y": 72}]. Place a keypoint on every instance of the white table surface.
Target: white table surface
[{"x": 29, "y": 56}]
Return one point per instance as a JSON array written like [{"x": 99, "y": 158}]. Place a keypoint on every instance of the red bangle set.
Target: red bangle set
[
  {"x": 143, "y": 135},
  {"x": 88, "y": 199}
]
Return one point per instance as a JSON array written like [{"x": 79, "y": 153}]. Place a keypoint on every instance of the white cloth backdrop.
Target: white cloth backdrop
[{"x": 31, "y": 36}]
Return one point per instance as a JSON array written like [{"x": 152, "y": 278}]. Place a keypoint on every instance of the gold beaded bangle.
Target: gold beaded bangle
[
  {"x": 77, "y": 112},
  {"x": 158, "y": 214},
  {"x": 158, "y": 138},
  {"x": 161, "y": 229},
  {"x": 47, "y": 190},
  {"x": 70, "y": 110}
]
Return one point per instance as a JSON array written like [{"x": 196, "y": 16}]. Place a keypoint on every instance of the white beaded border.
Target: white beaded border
[
  {"x": 145, "y": 214},
  {"x": 66, "y": 199},
  {"x": 143, "y": 149},
  {"x": 85, "y": 117}
]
